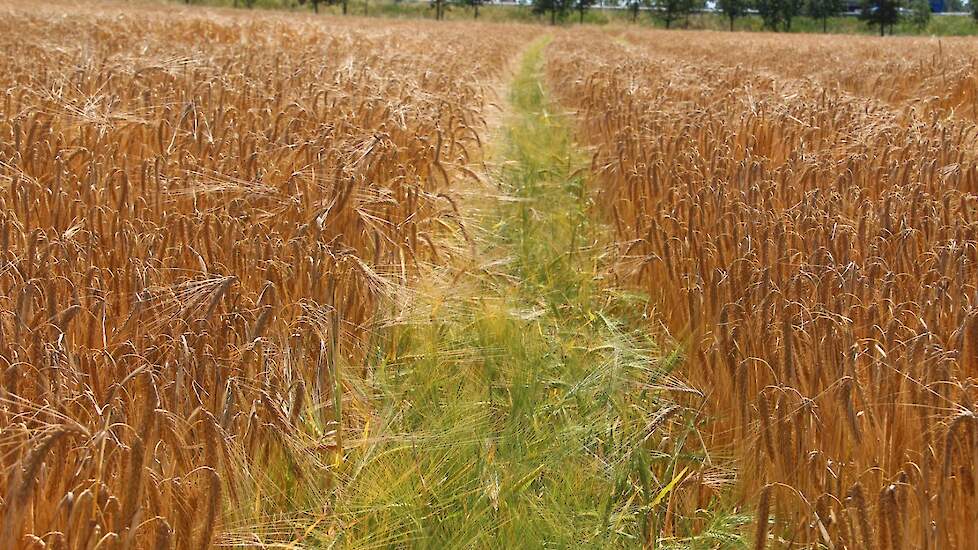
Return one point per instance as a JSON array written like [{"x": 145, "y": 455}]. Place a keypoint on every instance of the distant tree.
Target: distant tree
[
  {"x": 439, "y": 6},
  {"x": 771, "y": 12},
  {"x": 919, "y": 13},
  {"x": 556, "y": 8},
  {"x": 884, "y": 13},
  {"x": 974, "y": 9},
  {"x": 670, "y": 11},
  {"x": 633, "y": 7},
  {"x": 582, "y": 6},
  {"x": 733, "y": 9},
  {"x": 315, "y": 4},
  {"x": 789, "y": 10},
  {"x": 824, "y": 9},
  {"x": 692, "y": 6},
  {"x": 475, "y": 5}
]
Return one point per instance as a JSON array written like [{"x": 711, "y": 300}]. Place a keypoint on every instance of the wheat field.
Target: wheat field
[
  {"x": 802, "y": 210},
  {"x": 199, "y": 213},
  {"x": 276, "y": 280}
]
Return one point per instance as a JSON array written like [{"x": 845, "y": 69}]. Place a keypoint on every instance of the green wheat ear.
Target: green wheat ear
[{"x": 519, "y": 414}]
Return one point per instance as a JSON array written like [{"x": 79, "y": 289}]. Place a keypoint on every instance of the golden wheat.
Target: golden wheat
[
  {"x": 802, "y": 211},
  {"x": 200, "y": 214}
]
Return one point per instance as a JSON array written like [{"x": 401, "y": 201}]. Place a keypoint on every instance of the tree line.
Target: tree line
[{"x": 776, "y": 15}]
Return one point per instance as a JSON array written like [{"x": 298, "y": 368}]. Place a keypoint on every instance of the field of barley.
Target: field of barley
[{"x": 277, "y": 280}]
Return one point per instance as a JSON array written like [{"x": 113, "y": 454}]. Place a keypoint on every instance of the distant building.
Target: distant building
[{"x": 853, "y": 6}]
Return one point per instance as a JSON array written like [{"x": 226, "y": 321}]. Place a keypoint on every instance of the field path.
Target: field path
[{"x": 515, "y": 406}]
